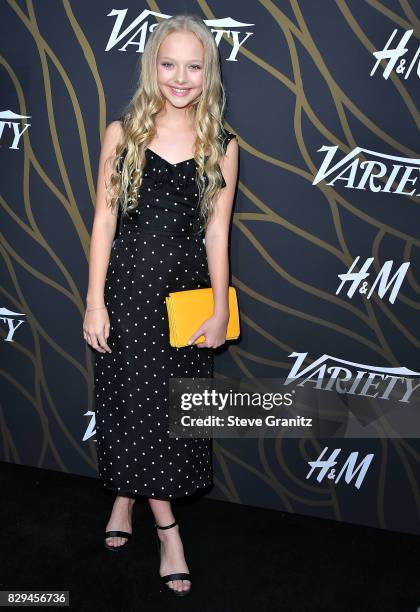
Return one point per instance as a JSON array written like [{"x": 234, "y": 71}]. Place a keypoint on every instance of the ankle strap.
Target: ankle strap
[{"x": 167, "y": 526}]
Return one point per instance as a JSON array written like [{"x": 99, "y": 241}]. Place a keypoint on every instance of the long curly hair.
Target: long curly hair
[{"x": 138, "y": 121}]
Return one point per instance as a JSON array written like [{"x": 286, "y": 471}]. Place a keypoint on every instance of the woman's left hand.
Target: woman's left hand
[{"x": 214, "y": 329}]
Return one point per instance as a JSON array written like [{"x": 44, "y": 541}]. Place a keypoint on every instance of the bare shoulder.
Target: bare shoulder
[
  {"x": 111, "y": 139},
  {"x": 113, "y": 135}
]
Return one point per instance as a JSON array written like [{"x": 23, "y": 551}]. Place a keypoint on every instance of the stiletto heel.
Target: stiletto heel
[{"x": 177, "y": 576}]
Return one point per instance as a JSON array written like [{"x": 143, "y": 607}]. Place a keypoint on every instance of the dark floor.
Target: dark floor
[{"x": 242, "y": 559}]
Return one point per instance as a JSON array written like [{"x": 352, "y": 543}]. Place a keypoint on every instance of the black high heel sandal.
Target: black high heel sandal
[
  {"x": 120, "y": 534},
  {"x": 177, "y": 576}
]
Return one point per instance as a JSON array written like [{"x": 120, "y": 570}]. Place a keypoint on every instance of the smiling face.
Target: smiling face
[{"x": 180, "y": 63}]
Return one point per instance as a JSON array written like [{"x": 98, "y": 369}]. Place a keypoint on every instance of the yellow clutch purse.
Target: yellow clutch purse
[{"x": 187, "y": 310}]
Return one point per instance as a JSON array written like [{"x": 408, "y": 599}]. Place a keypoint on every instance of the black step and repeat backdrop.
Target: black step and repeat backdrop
[{"x": 324, "y": 98}]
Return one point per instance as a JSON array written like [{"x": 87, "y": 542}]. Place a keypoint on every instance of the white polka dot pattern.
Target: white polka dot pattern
[{"x": 156, "y": 251}]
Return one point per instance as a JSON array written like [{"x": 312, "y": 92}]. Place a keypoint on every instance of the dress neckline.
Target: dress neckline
[{"x": 168, "y": 162}]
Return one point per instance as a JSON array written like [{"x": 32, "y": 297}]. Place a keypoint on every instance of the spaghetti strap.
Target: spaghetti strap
[{"x": 227, "y": 138}]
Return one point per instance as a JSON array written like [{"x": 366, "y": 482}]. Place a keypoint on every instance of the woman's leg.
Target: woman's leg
[
  {"x": 172, "y": 551},
  {"x": 120, "y": 519}
]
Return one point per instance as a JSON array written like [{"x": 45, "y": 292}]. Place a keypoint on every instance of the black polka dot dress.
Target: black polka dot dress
[{"x": 157, "y": 250}]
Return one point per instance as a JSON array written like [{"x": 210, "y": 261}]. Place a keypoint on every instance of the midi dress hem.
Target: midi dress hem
[{"x": 151, "y": 495}]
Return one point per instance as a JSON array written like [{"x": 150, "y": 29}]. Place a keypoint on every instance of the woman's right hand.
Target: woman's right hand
[{"x": 96, "y": 328}]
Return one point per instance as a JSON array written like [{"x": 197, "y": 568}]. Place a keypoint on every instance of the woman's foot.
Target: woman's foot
[
  {"x": 120, "y": 520},
  {"x": 172, "y": 558}
]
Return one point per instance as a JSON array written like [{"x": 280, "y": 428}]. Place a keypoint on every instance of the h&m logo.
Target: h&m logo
[
  {"x": 393, "y": 56},
  {"x": 350, "y": 470},
  {"x": 382, "y": 279}
]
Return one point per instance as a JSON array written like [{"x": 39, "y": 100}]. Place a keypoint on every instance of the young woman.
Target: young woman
[{"x": 167, "y": 173}]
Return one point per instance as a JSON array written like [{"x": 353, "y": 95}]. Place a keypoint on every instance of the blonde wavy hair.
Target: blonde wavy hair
[{"x": 138, "y": 121}]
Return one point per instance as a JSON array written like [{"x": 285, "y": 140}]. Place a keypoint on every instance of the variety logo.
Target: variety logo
[
  {"x": 357, "y": 279},
  {"x": 90, "y": 431},
  {"x": 12, "y": 322},
  {"x": 357, "y": 174},
  {"x": 135, "y": 32},
  {"x": 11, "y": 127},
  {"x": 350, "y": 469},
  {"x": 329, "y": 373},
  {"x": 393, "y": 55}
]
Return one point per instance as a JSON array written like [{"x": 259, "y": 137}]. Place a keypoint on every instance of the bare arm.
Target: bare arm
[
  {"x": 217, "y": 232},
  {"x": 104, "y": 223},
  {"x": 96, "y": 325}
]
